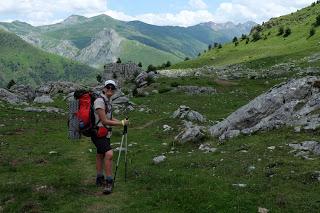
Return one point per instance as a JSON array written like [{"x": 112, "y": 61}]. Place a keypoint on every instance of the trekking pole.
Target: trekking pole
[
  {"x": 120, "y": 149},
  {"x": 126, "y": 153}
]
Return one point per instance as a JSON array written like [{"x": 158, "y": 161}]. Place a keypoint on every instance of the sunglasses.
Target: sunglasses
[{"x": 108, "y": 87}]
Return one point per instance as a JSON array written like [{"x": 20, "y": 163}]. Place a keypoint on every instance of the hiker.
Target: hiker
[{"x": 103, "y": 116}]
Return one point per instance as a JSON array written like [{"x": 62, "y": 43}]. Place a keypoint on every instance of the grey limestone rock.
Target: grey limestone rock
[
  {"x": 295, "y": 103},
  {"x": 184, "y": 112},
  {"x": 191, "y": 133},
  {"x": 44, "y": 99}
]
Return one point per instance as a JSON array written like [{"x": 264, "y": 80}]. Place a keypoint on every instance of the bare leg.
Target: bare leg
[
  {"x": 108, "y": 163},
  {"x": 99, "y": 163}
]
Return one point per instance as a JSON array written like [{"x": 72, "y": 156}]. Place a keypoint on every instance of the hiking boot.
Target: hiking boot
[
  {"x": 100, "y": 181},
  {"x": 108, "y": 188}
]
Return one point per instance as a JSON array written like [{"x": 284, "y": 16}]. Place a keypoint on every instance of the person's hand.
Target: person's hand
[{"x": 125, "y": 122}]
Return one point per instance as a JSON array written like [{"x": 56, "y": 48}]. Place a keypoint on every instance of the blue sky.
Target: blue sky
[
  {"x": 157, "y": 12},
  {"x": 149, "y": 6}
]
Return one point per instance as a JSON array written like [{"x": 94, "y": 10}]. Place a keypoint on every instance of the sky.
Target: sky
[{"x": 158, "y": 12}]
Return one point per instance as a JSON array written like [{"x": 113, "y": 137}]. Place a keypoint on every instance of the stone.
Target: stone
[
  {"x": 297, "y": 129},
  {"x": 53, "y": 152},
  {"x": 159, "y": 159},
  {"x": 195, "y": 90},
  {"x": 44, "y": 109},
  {"x": 241, "y": 185},
  {"x": 262, "y": 210},
  {"x": 207, "y": 148},
  {"x": 45, "y": 99},
  {"x": 167, "y": 128},
  {"x": 312, "y": 146},
  {"x": 184, "y": 112}
]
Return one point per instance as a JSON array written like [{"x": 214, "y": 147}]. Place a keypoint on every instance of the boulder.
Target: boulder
[
  {"x": 194, "y": 90},
  {"x": 142, "y": 79},
  {"x": 53, "y": 88},
  {"x": 311, "y": 146},
  {"x": 184, "y": 112},
  {"x": 43, "y": 99},
  {"x": 159, "y": 159},
  {"x": 44, "y": 109},
  {"x": 191, "y": 133},
  {"x": 295, "y": 103},
  {"x": 207, "y": 148},
  {"x": 24, "y": 91},
  {"x": 10, "y": 97}
]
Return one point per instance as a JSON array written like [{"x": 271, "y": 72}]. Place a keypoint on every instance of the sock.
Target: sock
[
  {"x": 109, "y": 178},
  {"x": 99, "y": 174}
]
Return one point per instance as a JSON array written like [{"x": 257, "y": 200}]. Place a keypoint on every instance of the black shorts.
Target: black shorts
[{"x": 102, "y": 144}]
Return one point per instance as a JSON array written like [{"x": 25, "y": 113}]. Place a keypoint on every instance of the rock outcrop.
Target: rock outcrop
[
  {"x": 53, "y": 88},
  {"x": 295, "y": 103},
  {"x": 10, "y": 97}
]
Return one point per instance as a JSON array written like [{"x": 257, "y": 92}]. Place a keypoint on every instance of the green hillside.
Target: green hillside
[
  {"x": 28, "y": 65},
  {"x": 143, "y": 52},
  {"x": 272, "y": 48}
]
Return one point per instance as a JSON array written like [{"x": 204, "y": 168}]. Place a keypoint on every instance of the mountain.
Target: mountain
[
  {"x": 265, "y": 46},
  {"x": 27, "y": 64},
  {"x": 102, "y": 39}
]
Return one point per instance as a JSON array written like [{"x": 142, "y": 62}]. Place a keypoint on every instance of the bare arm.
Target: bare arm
[{"x": 107, "y": 122}]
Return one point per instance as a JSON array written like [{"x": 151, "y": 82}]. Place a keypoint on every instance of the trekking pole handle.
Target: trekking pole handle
[{"x": 125, "y": 127}]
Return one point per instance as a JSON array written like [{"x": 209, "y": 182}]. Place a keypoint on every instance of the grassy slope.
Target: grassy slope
[
  {"x": 275, "y": 49},
  {"x": 142, "y": 54},
  {"x": 26, "y": 64},
  {"x": 188, "y": 181}
]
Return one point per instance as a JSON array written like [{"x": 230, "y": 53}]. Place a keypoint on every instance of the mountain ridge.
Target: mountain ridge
[{"x": 74, "y": 34}]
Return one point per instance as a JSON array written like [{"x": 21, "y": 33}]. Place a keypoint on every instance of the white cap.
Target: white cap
[{"x": 110, "y": 82}]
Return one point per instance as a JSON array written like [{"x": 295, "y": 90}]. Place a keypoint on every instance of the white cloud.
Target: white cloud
[
  {"x": 198, "y": 4},
  {"x": 40, "y": 12},
  {"x": 43, "y": 12},
  {"x": 259, "y": 11}
]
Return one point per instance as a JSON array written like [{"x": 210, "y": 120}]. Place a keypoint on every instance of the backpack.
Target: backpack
[{"x": 81, "y": 114}]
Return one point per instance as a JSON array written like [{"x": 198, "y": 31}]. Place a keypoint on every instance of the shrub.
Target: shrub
[
  {"x": 118, "y": 61},
  {"x": 186, "y": 58},
  {"x": 164, "y": 90},
  {"x": 174, "y": 84},
  {"x": 99, "y": 78},
  {"x": 236, "y": 43},
  {"x": 209, "y": 47},
  {"x": 312, "y": 32},
  {"x": 219, "y": 46},
  {"x": 151, "y": 68},
  {"x": 317, "y": 23},
  {"x": 11, "y": 83},
  {"x": 243, "y": 37},
  {"x": 280, "y": 31},
  {"x": 140, "y": 64},
  {"x": 256, "y": 36},
  {"x": 287, "y": 32},
  {"x": 235, "y": 39}
]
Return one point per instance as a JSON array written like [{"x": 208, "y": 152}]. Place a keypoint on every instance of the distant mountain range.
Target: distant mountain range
[
  {"x": 290, "y": 38},
  {"x": 102, "y": 39}
]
